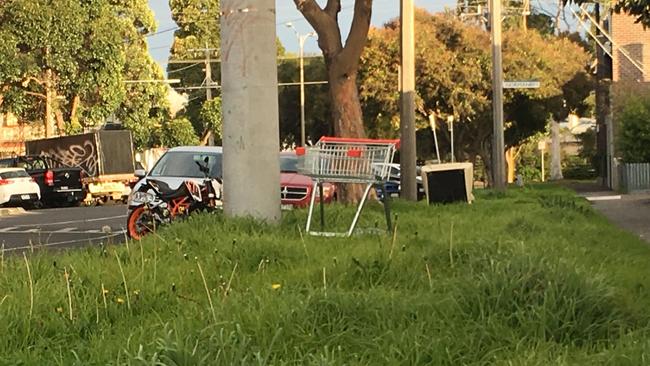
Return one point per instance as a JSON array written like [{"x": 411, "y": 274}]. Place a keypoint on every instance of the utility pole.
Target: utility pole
[
  {"x": 207, "y": 81},
  {"x": 249, "y": 92},
  {"x": 301, "y": 41},
  {"x": 208, "y": 90},
  {"x": 602, "y": 104},
  {"x": 408, "y": 157},
  {"x": 498, "y": 148},
  {"x": 524, "y": 14}
]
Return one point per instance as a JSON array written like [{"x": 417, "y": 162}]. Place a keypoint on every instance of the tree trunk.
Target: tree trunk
[
  {"x": 348, "y": 120},
  {"x": 74, "y": 121},
  {"x": 556, "y": 160},
  {"x": 511, "y": 163},
  {"x": 486, "y": 157},
  {"x": 60, "y": 123},
  {"x": 49, "y": 96},
  {"x": 342, "y": 64},
  {"x": 346, "y": 108}
]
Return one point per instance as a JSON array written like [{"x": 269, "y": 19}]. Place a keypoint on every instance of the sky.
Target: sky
[{"x": 383, "y": 10}]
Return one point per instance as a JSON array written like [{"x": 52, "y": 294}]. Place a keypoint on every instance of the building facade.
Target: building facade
[
  {"x": 627, "y": 74},
  {"x": 13, "y": 134}
]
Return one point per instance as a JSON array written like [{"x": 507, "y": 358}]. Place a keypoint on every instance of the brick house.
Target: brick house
[
  {"x": 632, "y": 39},
  {"x": 627, "y": 73}
]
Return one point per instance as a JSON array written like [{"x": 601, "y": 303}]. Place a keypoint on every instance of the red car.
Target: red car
[{"x": 296, "y": 188}]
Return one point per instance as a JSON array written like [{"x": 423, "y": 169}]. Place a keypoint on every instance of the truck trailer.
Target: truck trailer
[{"x": 105, "y": 157}]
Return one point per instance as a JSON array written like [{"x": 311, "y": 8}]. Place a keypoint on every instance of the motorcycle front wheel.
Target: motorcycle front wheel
[{"x": 140, "y": 222}]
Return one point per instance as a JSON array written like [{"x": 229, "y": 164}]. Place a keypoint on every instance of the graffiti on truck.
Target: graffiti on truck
[{"x": 82, "y": 155}]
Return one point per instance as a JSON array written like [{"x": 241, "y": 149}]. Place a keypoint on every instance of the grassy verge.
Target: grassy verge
[{"x": 532, "y": 277}]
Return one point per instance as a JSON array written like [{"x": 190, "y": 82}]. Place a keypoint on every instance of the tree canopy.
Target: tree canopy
[
  {"x": 453, "y": 80},
  {"x": 198, "y": 32},
  {"x": 68, "y": 60}
]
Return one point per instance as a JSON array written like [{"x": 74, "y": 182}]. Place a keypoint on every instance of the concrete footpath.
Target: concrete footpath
[{"x": 629, "y": 211}]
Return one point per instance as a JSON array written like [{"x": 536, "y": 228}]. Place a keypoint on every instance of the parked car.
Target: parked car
[
  {"x": 17, "y": 188},
  {"x": 393, "y": 185},
  {"x": 296, "y": 188},
  {"x": 59, "y": 185},
  {"x": 178, "y": 165}
]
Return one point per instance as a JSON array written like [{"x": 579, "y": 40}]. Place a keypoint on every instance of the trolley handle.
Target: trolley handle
[{"x": 348, "y": 140}]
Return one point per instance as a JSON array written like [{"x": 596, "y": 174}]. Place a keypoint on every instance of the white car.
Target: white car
[{"x": 17, "y": 188}]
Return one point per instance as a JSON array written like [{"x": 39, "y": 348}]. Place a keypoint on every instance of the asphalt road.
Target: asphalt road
[
  {"x": 629, "y": 211},
  {"x": 63, "y": 227}
]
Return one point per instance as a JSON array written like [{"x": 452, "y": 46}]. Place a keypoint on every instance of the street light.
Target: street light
[{"x": 301, "y": 40}]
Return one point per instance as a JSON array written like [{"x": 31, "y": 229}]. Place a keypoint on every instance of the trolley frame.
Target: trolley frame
[{"x": 347, "y": 160}]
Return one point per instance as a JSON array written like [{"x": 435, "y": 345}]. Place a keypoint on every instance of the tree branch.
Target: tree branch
[
  {"x": 39, "y": 95},
  {"x": 333, "y": 8},
  {"x": 73, "y": 109},
  {"x": 206, "y": 137},
  {"x": 358, "y": 36},
  {"x": 326, "y": 26},
  {"x": 31, "y": 78},
  {"x": 312, "y": 12}
]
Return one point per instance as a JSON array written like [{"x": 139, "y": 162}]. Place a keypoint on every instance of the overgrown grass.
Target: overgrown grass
[{"x": 530, "y": 277}]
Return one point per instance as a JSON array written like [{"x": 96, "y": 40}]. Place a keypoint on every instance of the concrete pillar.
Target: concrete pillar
[
  {"x": 498, "y": 144},
  {"x": 251, "y": 167}
]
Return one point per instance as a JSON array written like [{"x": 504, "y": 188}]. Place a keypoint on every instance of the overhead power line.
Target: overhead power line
[
  {"x": 183, "y": 68},
  {"x": 204, "y": 87},
  {"x": 218, "y": 61},
  {"x": 162, "y": 31}
]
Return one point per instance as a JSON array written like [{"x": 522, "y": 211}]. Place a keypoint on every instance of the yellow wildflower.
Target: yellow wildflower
[
  {"x": 105, "y": 291},
  {"x": 120, "y": 300},
  {"x": 136, "y": 292},
  {"x": 59, "y": 310},
  {"x": 276, "y": 286}
]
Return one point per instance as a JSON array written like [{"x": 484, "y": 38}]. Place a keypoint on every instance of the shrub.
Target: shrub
[{"x": 635, "y": 130}]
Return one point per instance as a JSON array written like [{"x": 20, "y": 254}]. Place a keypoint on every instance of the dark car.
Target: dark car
[
  {"x": 393, "y": 185},
  {"x": 60, "y": 186}
]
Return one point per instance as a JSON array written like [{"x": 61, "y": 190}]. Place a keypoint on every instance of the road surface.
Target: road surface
[
  {"x": 63, "y": 227},
  {"x": 629, "y": 211}
]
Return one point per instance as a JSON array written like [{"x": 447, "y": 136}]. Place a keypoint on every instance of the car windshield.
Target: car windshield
[
  {"x": 14, "y": 174},
  {"x": 186, "y": 164},
  {"x": 288, "y": 164}
]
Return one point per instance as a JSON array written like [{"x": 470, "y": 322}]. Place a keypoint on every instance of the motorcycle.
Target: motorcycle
[{"x": 161, "y": 205}]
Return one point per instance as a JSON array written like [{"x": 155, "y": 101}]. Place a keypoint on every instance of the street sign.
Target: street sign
[{"x": 521, "y": 84}]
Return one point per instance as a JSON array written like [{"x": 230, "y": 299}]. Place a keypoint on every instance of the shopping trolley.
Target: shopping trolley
[{"x": 346, "y": 160}]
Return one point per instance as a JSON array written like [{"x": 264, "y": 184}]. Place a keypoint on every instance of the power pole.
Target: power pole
[
  {"x": 408, "y": 157},
  {"x": 524, "y": 14},
  {"x": 498, "y": 148},
  {"x": 602, "y": 104},
  {"x": 249, "y": 92},
  {"x": 207, "y": 81},
  {"x": 208, "y": 90}
]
